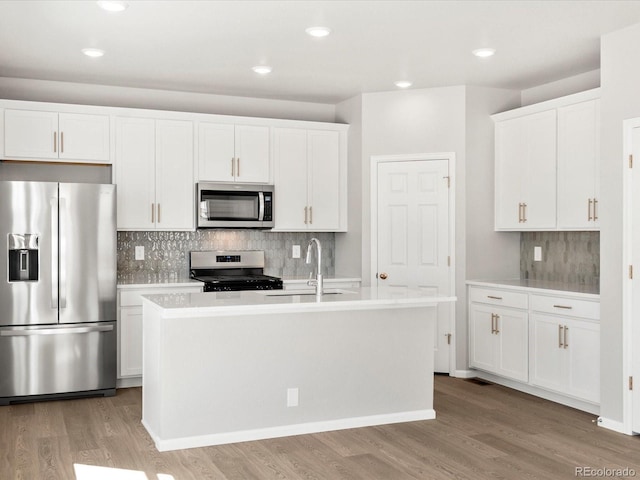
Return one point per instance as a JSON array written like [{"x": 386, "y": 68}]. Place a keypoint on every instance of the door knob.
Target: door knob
[{"x": 383, "y": 276}]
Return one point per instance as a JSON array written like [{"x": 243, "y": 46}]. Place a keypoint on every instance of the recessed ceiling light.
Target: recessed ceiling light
[
  {"x": 318, "y": 31},
  {"x": 403, "y": 84},
  {"x": 113, "y": 6},
  {"x": 484, "y": 52},
  {"x": 262, "y": 69},
  {"x": 93, "y": 52}
]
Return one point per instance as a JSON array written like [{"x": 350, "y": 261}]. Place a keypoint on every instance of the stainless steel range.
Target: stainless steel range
[{"x": 226, "y": 271}]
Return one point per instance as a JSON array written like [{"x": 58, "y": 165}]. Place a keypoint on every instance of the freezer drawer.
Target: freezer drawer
[{"x": 57, "y": 359}]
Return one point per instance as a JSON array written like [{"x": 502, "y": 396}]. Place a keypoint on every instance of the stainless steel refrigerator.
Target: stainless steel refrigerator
[{"x": 57, "y": 290}]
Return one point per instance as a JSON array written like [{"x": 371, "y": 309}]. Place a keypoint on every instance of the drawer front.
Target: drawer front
[
  {"x": 504, "y": 298},
  {"x": 133, "y": 298},
  {"x": 570, "y": 307}
]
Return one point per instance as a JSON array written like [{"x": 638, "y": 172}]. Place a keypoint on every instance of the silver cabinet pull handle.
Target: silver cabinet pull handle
[
  {"x": 589, "y": 217},
  {"x": 233, "y": 169},
  {"x": 311, "y": 215},
  {"x": 494, "y": 298},
  {"x": 497, "y": 325},
  {"x": 493, "y": 325},
  {"x": 595, "y": 209},
  {"x": 524, "y": 213},
  {"x": 238, "y": 166},
  {"x": 566, "y": 336},
  {"x": 158, "y": 213},
  {"x": 55, "y": 142},
  {"x": 560, "y": 330},
  {"x": 519, "y": 213},
  {"x": 153, "y": 213},
  {"x": 61, "y": 142},
  {"x": 305, "y": 215},
  {"x": 566, "y": 307}
]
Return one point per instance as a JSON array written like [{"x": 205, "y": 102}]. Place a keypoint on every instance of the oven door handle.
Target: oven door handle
[{"x": 261, "y": 206}]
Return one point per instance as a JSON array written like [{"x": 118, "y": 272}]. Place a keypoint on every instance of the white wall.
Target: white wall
[
  {"x": 105, "y": 95},
  {"x": 620, "y": 100},
  {"x": 348, "y": 245},
  {"x": 566, "y": 86}
]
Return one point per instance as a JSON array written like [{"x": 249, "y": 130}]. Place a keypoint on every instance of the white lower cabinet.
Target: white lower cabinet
[
  {"x": 499, "y": 340},
  {"x": 549, "y": 342},
  {"x": 130, "y": 326}
]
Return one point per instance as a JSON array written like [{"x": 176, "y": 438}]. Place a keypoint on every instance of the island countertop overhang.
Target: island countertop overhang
[{"x": 287, "y": 301}]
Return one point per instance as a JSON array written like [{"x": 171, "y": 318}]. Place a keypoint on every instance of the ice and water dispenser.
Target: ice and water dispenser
[{"x": 23, "y": 257}]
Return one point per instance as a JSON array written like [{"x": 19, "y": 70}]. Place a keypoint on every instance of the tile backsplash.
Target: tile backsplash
[
  {"x": 167, "y": 253},
  {"x": 567, "y": 257}
]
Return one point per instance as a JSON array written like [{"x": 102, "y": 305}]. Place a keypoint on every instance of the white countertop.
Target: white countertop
[
  {"x": 289, "y": 301},
  {"x": 542, "y": 286}
]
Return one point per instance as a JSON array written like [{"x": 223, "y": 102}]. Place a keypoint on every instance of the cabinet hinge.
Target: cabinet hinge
[
  {"x": 630, "y": 161},
  {"x": 630, "y": 272},
  {"x": 630, "y": 383},
  {"x": 448, "y": 181}
]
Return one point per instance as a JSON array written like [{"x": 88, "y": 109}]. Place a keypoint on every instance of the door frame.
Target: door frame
[
  {"x": 419, "y": 157},
  {"x": 626, "y": 426}
]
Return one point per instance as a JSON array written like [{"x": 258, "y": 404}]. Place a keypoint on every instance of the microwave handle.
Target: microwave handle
[
  {"x": 261, "y": 206},
  {"x": 204, "y": 209}
]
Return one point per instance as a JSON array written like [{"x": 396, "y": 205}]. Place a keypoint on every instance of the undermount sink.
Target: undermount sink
[{"x": 295, "y": 293}]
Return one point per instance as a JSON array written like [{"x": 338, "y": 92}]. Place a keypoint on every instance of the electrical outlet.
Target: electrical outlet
[
  {"x": 537, "y": 254},
  {"x": 295, "y": 252},
  {"x": 292, "y": 397},
  {"x": 139, "y": 252}
]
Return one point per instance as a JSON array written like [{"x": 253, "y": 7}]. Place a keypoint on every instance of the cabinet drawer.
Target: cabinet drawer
[
  {"x": 504, "y": 298},
  {"x": 133, "y": 298},
  {"x": 571, "y": 307}
]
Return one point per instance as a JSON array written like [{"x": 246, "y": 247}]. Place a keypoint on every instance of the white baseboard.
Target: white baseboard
[
  {"x": 464, "y": 374},
  {"x": 129, "y": 382},
  {"x": 286, "y": 430},
  {"x": 614, "y": 425}
]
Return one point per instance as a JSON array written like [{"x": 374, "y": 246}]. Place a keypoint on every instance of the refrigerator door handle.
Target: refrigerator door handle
[
  {"x": 54, "y": 253},
  {"x": 63, "y": 251},
  {"x": 55, "y": 331}
]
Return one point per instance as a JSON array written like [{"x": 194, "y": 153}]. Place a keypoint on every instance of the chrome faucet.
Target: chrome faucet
[{"x": 318, "y": 283}]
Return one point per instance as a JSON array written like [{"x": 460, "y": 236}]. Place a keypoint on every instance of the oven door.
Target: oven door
[{"x": 234, "y": 206}]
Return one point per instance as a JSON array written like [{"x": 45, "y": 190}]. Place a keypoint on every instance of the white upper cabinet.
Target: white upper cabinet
[
  {"x": 310, "y": 180},
  {"x": 546, "y": 163},
  {"x": 526, "y": 172},
  {"x": 233, "y": 153},
  {"x": 578, "y": 154},
  {"x": 154, "y": 174},
  {"x": 75, "y": 137}
]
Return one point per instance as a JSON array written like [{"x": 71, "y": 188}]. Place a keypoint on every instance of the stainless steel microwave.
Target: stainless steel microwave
[{"x": 235, "y": 205}]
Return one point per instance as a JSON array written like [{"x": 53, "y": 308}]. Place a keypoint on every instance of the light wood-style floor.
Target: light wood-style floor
[{"x": 481, "y": 432}]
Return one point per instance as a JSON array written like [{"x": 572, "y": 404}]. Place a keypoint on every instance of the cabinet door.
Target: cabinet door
[
  {"x": 510, "y": 138},
  {"x": 130, "y": 341},
  {"x": 135, "y": 173},
  {"x": 539, "y": 170},
  {"x": 324, "y": 180},
  {"x": 216, "y": 152},
  {"x": 290, "y": 147},
  {"x": 583, "y": 362},
  {"x": 482, "y": 340},
  {"x": 84, "y": 137},
  {"x": 29, "y": 134},
  {"x": 175, "y": 185},
  {"x": 512, "y": 344},
  {"x": 578, "y": 154},
  {"x": 252, "y": 154},
  {"x": 547, "y": 358}
]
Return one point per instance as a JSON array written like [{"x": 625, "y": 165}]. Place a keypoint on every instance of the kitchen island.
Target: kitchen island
[{"x": 237, "y": 366}]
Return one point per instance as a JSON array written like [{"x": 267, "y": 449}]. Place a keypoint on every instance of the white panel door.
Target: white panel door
[
  {"x": 578, "y": 154},
  {"x": 130, "y": 326},
  {"x": 29, "y": 134},
  {"x": 135, "y": 173},
  {"x": 216, "y": 152},
  {"x": 413, "y": 235},
  {"x": 84, "y": 137},
  {"x": 175, "y": 186},
  {"x": 252, "y": 151},
  {"x": 635, "y": 293},
  {"x": 291, "y": 177},
  {"x": 582, "y": 341},
  {"x": 482, "y": 339},
  {"x": 510, "y": 136},
  {"x": 324, "y": 179}
]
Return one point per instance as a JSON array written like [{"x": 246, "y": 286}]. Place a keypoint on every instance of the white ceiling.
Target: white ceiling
[{"x": 210, "y": 46}]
